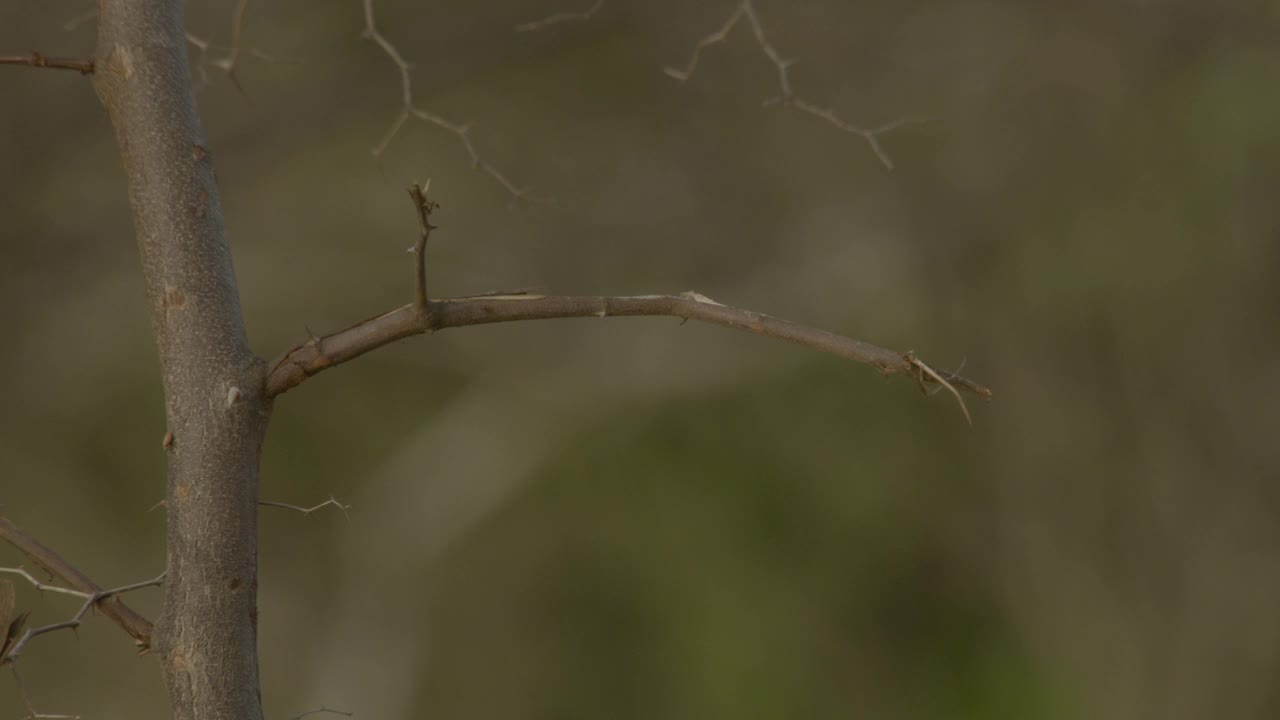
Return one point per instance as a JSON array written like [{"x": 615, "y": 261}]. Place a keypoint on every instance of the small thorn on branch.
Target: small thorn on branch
[{"x": 35, "y": 59}]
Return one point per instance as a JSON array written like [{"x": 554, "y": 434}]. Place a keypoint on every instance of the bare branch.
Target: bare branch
[
  {"x": 75, "y": 620},
  {"x": 318, "y": 354},
  {"x": 332, "y": 501},
  {"x": 561, "y": 17},
  {"x": 131, "y": 622},
  {"x": 408, "y": 109},
  {"x": 32, "y": 713},
  {"x": 35, "y": 59},
  {"x": 786, "y": 96}
]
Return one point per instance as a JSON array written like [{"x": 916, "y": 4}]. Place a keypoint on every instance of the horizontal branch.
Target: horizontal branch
[
  {"x": 111, "y": 605},
  {"x": 35, "y": 59},
  {"x": 318, "y": 354}
]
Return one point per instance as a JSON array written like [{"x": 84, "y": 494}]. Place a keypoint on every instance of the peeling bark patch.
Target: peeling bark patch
[
  {"x": 173, "y": 297},
  {"x": 120, "y": 62}
]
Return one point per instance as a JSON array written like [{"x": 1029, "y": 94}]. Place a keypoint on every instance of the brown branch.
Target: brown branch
[
  {"x": 318, "y": 354},
  {"x": 423, "y": 205},
  {"x": 35, "y": 59},
  {"x": 108, "y": 602}
]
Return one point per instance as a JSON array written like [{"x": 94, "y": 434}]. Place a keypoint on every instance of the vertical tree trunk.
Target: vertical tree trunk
[{"x": 215, "y": 404}]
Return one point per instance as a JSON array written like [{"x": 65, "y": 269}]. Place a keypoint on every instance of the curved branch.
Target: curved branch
[
  {"x": 53, "y": 563},
  {"x": 318, "y": 354}
]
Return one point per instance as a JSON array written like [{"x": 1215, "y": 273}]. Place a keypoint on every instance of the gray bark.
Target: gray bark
[{"x": 215, "y": 403}]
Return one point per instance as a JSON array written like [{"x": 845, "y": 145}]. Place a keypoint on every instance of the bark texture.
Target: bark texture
[{"x": 216, "y": 407}]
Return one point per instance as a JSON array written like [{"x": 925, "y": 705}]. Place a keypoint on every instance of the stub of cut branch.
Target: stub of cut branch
[{"x": 319, "y": 354}]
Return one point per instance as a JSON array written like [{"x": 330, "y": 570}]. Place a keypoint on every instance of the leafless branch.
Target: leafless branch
[
  {"x": 35, "y": 59},
  {"x": 408, "y": 110},
  {"x": 332, "y": 501},
  {"x": 318, "y": 354},
  {"x": 786, "y": 96},
  {"x": 11, "y": 650},
  {"x": 32, "y": 713},
  {"x": 108, "y": 602},
  {"x": 289, "y": 506},
  {"x": 90, "y": 600},
  {"x": 561, "y": 17}
]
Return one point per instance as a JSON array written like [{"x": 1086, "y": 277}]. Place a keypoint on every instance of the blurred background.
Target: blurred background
[{"x": 638, "y": 519}]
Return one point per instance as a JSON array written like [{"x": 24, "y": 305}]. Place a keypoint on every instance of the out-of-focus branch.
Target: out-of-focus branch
[
  {"x": 51, "y": 562},
  {"x": 786, "y": 96},
  {"x": 408, "y": 110},
  {"x": 227, "y": 63},
  {"x": 35, "y": 59},
  {"x": 561, "y": 17}
]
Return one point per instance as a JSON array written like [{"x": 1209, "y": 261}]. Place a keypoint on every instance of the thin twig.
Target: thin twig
[
  {"x": 423, "y": 205},
  {"x": 786, "y": 96},
  {"x": 46, "y": 559},
  {"x": 561, "y": 17},
  {"x": 332, "y": 501},
  {"x": 32, "y": 713},
  {"x": 35, "y": 59},
  {"x": 408, "y": 109},
  {"x": 89, "y": 602}
]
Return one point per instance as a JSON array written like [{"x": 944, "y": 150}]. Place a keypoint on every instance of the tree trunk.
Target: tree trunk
[{"x": 215, "y": 403}]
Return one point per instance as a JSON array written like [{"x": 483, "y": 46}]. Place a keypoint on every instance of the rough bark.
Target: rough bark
[{"x": 215, "y": 403}]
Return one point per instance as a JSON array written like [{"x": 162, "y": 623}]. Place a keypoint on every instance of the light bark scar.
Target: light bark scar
[
  {"x": 174, "y": 298},
  {"x": 121, "y": 62}
]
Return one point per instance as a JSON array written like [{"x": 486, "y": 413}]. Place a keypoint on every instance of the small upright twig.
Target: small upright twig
[
  {"x": 35, "y": 59},
  {"x": 424, "y": 205}
]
